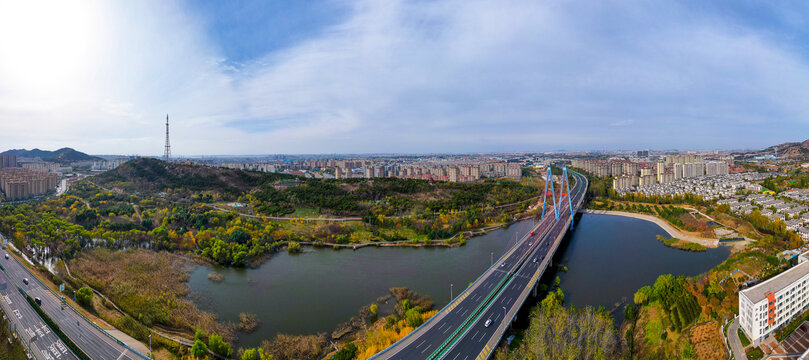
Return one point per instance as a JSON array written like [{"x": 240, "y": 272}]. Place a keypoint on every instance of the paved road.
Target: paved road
[
  {"x": 91, "y": 340},
  {"x": 479, "y": 341},
  {"x": 45, "y": 344},
  {"x": 736, "y": 344},
  {"x": 423, "y": 342}
]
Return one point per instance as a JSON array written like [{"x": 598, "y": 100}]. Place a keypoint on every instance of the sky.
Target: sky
[{"x": 389, "y": 76}]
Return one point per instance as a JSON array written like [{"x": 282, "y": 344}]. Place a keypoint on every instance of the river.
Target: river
[{"x": 608, "y": 257}]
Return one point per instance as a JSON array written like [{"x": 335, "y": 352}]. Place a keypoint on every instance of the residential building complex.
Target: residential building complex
[{"x": 20, "y": 183}]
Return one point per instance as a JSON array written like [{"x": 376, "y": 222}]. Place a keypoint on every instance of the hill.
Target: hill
[
  {"x": 793, "y": 150},
  {"x": 148, "y": 175},
  {"x": 62, "y": 156}
]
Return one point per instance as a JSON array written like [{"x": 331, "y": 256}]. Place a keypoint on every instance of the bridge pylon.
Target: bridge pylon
[
  {"x": 564, "y": 190},
  {"x": 552, "y": 193}
]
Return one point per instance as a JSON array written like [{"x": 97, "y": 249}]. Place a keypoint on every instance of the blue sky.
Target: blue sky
[{"x": 339, "y": 76}]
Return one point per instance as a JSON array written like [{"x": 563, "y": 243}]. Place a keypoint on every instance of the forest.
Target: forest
[{"x": 172, "y": 209}]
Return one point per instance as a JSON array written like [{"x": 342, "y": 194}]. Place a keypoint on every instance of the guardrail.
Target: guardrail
[
  {"x": 7, "y": 313},
  {"x": 452, "y": 301},
  {"x": 100, "y": 329},
  {"x": 532, "y": 282}
]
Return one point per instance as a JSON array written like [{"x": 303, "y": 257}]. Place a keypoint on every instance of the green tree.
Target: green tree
[
  {"x": 294, "y": 247},
  {"x": 374, "y": 308},
  {"x": 346, "y": 353},
  {"x": 413, "y": 317},
  {"x": 85, "y": 296},
  {"x": 642, "y": 295},
  {"x": 219, "y": 346},
  {"x": 238, "y": 235},
  {"x": 255, "y": 354},
  {"x": 199, "y": 349}
]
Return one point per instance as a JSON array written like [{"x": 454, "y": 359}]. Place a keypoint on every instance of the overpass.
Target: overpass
[{"x": 459, "y": 331}]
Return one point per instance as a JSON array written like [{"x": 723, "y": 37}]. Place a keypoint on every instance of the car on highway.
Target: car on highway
[
  {"x": 503, "y": 265},
  {"x": 488, "y": 322},
  {"x": 25, "y": 281},
  {"x": 38, "y": 301},
  {"x": 535, "y": 259},
  {"x": 6, "y": 256},
  {"x": 532, "y": 233}
]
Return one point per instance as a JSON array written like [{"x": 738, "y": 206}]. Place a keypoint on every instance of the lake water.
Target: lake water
[
  {"x": 608, "y": 258},
  {"x": 315, "y": 291}
]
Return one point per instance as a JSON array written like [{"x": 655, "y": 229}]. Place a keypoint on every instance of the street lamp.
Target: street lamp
[
  {"x": 492, "y": 259},
  {"x": 504, "y": 313},
  {"x": 450, "y": 292},
  {"x": 150, "y": 347}
]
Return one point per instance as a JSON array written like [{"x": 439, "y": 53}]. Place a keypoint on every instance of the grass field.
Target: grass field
[
  {"x": 305, "y": 213},
  {"x": 654, "y": 328},
  {"x": 743, "y": 338}
]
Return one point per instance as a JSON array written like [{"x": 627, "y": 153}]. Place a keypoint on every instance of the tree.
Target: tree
[
  {"x": 255, "y": 354},
  {"x": 642, "y": 295},
  {"x": 346, "y": 353},
  {"x": 85, "y": 296},
  {"x": 294, "y": 247},
  {"x": 413, "y": 317},
  {"x": 199, "y": 350},
  {"x": 219, "y": 346},
  {"x": 374, "y": 308},
  {"x": 238, "y": 235}
]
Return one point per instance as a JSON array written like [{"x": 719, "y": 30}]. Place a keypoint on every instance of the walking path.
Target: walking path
[
  {"x": 673, "y": 232},
  {"x": 735, "y": 343}
]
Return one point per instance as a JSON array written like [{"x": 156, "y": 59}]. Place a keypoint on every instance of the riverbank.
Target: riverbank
[
  {"x": 679, "y": 244},
  {"x": 673, "y": 232}
]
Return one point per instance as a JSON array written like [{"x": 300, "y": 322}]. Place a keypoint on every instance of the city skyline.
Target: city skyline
[{"x": 400, "y": 77}]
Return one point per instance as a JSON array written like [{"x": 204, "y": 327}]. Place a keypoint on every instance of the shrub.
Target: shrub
[
  {"x": 85, "y": 297},
  {"x": 219, "y": 346},
  {"x": 199, "y": 349},
  {"x": 255, "y": 354}
]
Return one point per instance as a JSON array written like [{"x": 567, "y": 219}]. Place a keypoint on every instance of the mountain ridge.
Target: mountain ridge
[{"x": 64, "y": 155}]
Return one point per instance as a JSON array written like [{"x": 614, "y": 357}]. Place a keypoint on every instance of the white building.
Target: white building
[{"x": 773, "y": 303}]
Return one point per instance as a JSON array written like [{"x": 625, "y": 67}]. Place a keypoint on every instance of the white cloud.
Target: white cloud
[{"x": 406, "y": 77}]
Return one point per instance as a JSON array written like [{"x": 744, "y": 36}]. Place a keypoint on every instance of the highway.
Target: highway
[
  {"x": 95, "y": 343},
  {"x": 496, "y": 288},
  {"x": 479, "y": 341},
  {"x": 44, "y": 343}
]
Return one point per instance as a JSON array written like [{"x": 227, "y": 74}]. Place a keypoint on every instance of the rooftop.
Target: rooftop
[{"x": 777, "y": 283}]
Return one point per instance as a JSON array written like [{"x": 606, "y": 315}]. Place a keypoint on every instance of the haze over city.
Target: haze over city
[{"x": 261, "y": 77}]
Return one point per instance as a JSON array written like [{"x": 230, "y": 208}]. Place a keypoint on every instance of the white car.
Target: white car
[{"x": 488, "y": 322}]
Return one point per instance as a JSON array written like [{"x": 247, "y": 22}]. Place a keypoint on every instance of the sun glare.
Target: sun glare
[{"x": 46, "y": 47}]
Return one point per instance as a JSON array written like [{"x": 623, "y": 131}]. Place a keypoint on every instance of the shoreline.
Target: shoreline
[{"x": 673, "y": 232}]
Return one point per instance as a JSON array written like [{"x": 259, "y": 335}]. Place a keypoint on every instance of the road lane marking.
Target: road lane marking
[
  {"x": 421, "y": 343},
  {"x": 122, "y": 355},
  {"x": 46, "y": 355},
  {"x": 425, "y": 349}
]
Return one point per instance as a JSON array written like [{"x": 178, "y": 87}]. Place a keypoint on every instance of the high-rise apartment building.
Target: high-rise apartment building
[
  {"x": 771, "y": 304},
  {"x": 8, "y": 161},
  {"x": 19, "y": 183}
]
